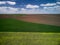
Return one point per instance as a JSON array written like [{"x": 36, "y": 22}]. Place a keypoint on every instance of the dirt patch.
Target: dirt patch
[{"x": 42, "y": 19}]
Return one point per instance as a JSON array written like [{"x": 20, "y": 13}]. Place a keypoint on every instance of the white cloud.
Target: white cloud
[
  {"x": 31, "y": 11},
  {"x": 58, "y": 2},
  {"x": 23, "y": 9},
  {"x": 8, "y": 10},
  {"x": 11, "y": 10},
  {"x": 7, "y": 2},
  {"x": 11, "y": 3},
  {"x": 48, "y": 4},
  {"x": 45, "y": 10},
  {"x": 54, "y": 9},
  {"x": 32, "y": 6},
  {"x": 2, "y": 2},
  {"x": 48, "y": 8},
  {"x": 57, "y": 8}
]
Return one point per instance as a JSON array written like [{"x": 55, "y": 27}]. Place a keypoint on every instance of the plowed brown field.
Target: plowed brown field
[{"x": 49, "y": 19}]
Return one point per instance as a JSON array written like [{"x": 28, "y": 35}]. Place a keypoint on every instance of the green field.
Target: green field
[
  {"x": 29, "y": 38},
  {"x": 13, "y": 25},
  {"x": 17, "y": 32}
]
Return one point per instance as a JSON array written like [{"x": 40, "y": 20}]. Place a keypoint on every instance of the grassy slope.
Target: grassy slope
[
  {"x": 29, "y": 38},
  {"x": 16, "y": 25}
]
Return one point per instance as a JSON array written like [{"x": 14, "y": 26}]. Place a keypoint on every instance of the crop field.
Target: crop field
[
  {"x": 49, "y": 19},
  {"x": 22, "y": 23},
  {"x": 29, "y": 38},
  {"x": 13, "y": 25},
  {"x": 29, "y": 29}
]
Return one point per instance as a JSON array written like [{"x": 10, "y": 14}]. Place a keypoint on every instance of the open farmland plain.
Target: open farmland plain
[
  {"x": 50, "y": 19},
  {"x": 18, "y": 29},
  {"x": 29, "y": 38},
  {"x": 30, "y": 23}
]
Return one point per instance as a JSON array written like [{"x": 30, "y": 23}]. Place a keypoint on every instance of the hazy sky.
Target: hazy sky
[{"x": 29, "y": 6}]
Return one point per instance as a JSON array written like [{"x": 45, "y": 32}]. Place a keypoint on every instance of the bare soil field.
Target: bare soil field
[{"x": 50, "y": 19}]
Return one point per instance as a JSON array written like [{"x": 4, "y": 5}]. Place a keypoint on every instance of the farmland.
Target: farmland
[
  {"x": 29, "y": 23},
  {"x": 29, "y": 38},
  {"x": 18, "y": 29},
  {"x": 50, "y": 19}
]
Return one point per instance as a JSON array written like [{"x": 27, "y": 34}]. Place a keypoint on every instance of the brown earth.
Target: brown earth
[{"x": 50, "y": 19}]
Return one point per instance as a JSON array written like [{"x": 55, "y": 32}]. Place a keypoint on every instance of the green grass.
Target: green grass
[
  {"x": 13, "y": 25},
  {"x": 14, "y": 14},
  {"x": 29, "y": 38}
]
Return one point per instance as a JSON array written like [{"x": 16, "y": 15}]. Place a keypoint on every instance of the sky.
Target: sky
[{"x": 29, "y": 6}]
